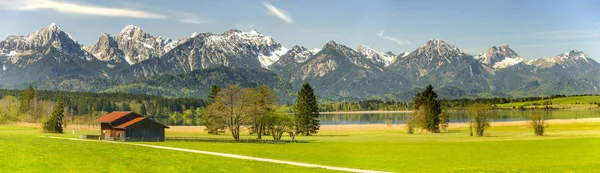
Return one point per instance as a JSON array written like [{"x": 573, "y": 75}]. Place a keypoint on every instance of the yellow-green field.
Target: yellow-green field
[
  {"x": 570, "y": 146},
  {"x": 571, "y": 102}
]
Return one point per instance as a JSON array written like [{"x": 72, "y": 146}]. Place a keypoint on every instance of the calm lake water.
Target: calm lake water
[
  {"x": 400, "y": 118},
  {"x": 455, "y": 116}
]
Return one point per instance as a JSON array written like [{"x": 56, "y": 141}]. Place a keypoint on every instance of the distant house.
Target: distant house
[{"x": 130, "y": 126}]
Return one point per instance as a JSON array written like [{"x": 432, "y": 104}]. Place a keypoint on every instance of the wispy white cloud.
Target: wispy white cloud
[
  {"x": 190, "y": 21},
  {"x": 186, "y": 17},
  {"x": 278, "y": 12},
  {"x": 381, "y": 35},
  {"x": 71, "y": 7},
  {"x": 178, "y": 15}
]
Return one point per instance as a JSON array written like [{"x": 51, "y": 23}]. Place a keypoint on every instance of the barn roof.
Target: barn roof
[
  {"x": 136, "y": 120},
  {"x": 114, "y": 116},
  {"x": 128, "y": 123},
  {"x": 108, "y": 118}
]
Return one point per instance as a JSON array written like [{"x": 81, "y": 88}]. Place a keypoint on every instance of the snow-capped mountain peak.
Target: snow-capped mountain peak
[
  {"x": 499, "y": 57},
  {"x": 52, "y": 36},
  {"x": 438, "y": 47},
  {"x": 253, "y": 32},
  {"x": 375, "y": 56},
  {"x": 573, "y": 55},
  {"x": 138, "y": 45},
  {"x": 54, "y": 27},
  {"x": 130, "y": 29},
  {"x": 573, "y": 59}
]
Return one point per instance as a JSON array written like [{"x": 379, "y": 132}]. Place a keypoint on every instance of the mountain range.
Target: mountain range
[{"x": 137, "y": 62}]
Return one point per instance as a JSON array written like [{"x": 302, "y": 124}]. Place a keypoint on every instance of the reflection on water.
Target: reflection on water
[
  {"x": 400, "y": 118},
  {"x": 455, "y": 116}
]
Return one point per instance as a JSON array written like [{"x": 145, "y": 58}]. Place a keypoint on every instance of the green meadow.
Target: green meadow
[
  {"x": 25, "y": 149},
  {"x": 569, "y": 146},
  {"x": 571, "y": 102}
]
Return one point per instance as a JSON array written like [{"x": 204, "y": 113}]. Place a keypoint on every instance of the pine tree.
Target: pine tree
[
  {"x": 55, "y": 123},
  {"x": 307, "y": 111},
  {"x": 213, "y": 93}
]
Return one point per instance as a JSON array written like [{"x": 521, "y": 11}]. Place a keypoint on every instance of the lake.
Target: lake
[
  {"x": 400, "y": 117},
  {"x": 455, "y": 116}
]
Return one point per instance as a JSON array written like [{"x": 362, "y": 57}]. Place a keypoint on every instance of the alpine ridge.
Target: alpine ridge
[{"x": 335, "y": 70}]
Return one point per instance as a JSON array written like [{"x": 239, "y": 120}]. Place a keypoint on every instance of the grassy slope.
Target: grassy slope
[
  {"x": 23, "y": 151},
  {"x": 565, "y": 102}
]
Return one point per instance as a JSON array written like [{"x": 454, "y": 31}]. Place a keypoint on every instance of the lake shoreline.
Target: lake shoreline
[
  {"x": 452, "y": 125},
  {"x": 367, "y": 112}
]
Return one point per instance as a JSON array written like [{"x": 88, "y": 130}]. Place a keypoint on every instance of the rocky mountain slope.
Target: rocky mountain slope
[
  {"x": 335, "y": 70},
  {"x": 47, "y": 53},
  {"x": 233, "y": 48}
]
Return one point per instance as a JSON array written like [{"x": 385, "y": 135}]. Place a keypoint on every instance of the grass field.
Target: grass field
[
  {"x": 572, "y": 102},
  {"x": 570, "y": 146},
  {"x": 24, "y": 151}
]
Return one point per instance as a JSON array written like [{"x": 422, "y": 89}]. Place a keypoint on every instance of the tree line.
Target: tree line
[
  {"x": 365, "y": 105},
  {"x": 429, "y": 116},
  {"x": 454, "y": 104},
  {"x": 32, "y": 105}
]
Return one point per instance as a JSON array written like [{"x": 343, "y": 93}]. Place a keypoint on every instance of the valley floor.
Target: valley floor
[{"x": 569, "y": 146}]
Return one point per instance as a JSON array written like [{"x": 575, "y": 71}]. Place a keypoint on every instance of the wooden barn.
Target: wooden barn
[{"x": 130, "y": 126}]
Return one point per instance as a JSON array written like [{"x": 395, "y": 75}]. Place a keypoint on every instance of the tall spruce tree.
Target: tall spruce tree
[
  {"x": 307, "y": 111},
  {"x": 55, "y": 123}
]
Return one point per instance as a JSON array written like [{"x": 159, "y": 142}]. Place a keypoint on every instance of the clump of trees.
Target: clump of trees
[
  {"x": 262, "y": 104},
  {"x": 277, "y": 124},
  {"x": 229, "y": 109},
  {"x": 306, "y": 111},
  {"x": 479, "y": 115},
  {"x": 234, "y": 107},
  {"x": 538, "y": 122},
  {"x": 427, "y": 113}
]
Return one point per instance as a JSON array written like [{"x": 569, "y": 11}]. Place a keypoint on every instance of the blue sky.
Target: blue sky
[{"x": 533, "y": 28}]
